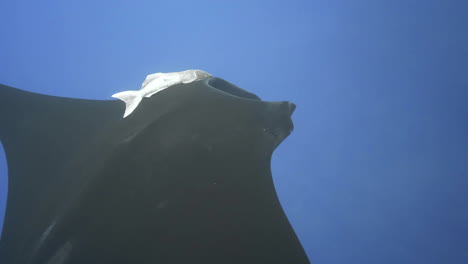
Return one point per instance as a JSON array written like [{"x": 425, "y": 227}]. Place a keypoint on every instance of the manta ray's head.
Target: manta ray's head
[{"x": 216, "y": 116}]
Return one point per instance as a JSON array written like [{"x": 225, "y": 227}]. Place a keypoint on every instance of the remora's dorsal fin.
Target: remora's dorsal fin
[{"x": 39, "y": 132}]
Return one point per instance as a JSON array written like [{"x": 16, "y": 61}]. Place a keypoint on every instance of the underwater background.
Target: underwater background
[{"x": 376, "y": 170}]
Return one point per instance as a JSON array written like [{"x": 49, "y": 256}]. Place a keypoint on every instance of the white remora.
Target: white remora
[{"x": 155, "y": 83}]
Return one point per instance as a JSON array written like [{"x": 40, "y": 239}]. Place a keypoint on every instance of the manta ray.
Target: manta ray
[{"x": 185, "y": 178}]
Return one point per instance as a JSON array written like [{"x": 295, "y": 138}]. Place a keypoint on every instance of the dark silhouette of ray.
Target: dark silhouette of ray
[{"x": 185, "y": 179}]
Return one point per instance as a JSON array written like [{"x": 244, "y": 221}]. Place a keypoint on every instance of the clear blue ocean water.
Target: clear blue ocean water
[{"x": 376, "y": 170}]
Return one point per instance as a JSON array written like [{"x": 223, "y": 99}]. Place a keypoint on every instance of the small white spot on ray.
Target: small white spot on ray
[
  {"x": 61, "y": 255},
  {"x": 47, "y": 232}
]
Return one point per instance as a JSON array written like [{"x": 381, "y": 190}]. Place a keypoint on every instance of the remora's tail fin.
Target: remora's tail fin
[{"x": 131, "y": 98}]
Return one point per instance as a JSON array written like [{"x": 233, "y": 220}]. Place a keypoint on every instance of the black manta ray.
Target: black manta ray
[{"x": 184, "y": 179}]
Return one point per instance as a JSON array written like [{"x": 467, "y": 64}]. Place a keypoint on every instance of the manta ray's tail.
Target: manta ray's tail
[{"x": 131, "y": 99}]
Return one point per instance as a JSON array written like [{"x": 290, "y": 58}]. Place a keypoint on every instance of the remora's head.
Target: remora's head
[{"x": 201, "y": 74}]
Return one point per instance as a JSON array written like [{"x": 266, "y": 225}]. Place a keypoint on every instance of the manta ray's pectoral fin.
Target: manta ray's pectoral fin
[{"x": 41, "y": 134}]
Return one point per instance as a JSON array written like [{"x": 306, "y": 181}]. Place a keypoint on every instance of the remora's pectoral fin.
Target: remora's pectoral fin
[
  {"x": 151, "y": 77},
  {"x": 40, "y": 133}
]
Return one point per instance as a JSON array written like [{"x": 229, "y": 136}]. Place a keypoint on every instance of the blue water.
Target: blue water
[{"x": 376, "y": 170}]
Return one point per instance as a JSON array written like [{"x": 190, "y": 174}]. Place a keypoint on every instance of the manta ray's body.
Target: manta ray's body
[{"x": 184, "y": 179}]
